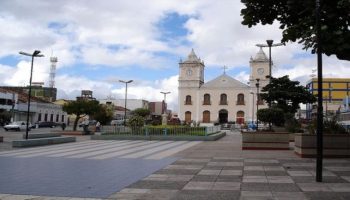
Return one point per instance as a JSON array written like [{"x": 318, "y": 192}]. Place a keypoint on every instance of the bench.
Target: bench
[
  {"x": 41, "y": 135},
  {"x": 42, "y": 141}
]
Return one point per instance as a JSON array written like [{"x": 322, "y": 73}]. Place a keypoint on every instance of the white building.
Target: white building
[
  {"x": 222, "y": 99},
  {"x": 131, "y": 104}
]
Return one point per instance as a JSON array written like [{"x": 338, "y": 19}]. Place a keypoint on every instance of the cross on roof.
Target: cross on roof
[{"x": 225, "y": 69}]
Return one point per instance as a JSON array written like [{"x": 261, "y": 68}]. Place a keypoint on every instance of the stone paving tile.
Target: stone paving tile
[
  {"x": 168, "y": 177},
  {"x": 226, "y": 186},
  {"x": 225, "y": 164},
  {"x": 144, "y": 194},
  {"x": 232, "y": 168},
  {"x": 324, "y": 173},
  {"x": 279, "y": 179},
  {"x": 255, "y": 160},
  {"x": 231, "y": 172},
  {"x": 273, "y": 168},
  {"x": 227, "y": 178},
  {"x": 198, "y": 185},
  {"x": 254, "y": 179},
  {"x": 254, "y": 173},
  {"x": 276, "y": 173},
  {"x": 299, "y": 173},
  {"x": 253, "y": 193},
  {"x": 314, "y": 187},
  {"x": 289, "y": 196},
  {"x": 339, "y": 187},
  {"x": 178, "y": 171},
  {"x": 213, "y": 167},
  {"x": 324, "y": 196},
  {"x": 207, "y": 195},
  {"x": 175, "y": 185},
  {"x": 255, "y": 187},
  {"x": 284, "y": 187},
  {"x": 205, "y": 178},
  {"x": 303, "y": 179},
  {"x": 253, "y": 168},
  {"x": 184, "y": 167},
  {"x": 209, "y": 172},
  {"x": 347, "y": 178}
]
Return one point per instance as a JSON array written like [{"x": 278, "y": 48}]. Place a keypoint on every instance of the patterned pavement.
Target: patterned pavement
[
  {"x": 94, "y": 169},
  {"x": 207, "y": 170}
]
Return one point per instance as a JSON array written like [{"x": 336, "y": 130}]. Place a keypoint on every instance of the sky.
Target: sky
[{"x": 98, "y": 43}]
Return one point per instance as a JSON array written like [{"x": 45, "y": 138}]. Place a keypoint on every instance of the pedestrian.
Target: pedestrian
[
  {"x": 63, "y": 126},
  {"x": 98, "y": 126}
]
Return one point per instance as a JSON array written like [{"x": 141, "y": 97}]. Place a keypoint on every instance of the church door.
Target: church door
[
  {"x": 206, "y": 117},
  {"x": 240, "y": 117},
  {"x": 223, "y": 116},
  {"x": 188, "y": 117}
]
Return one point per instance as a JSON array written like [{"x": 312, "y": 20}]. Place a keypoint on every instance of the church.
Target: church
[{"x": 223, "y": 99}]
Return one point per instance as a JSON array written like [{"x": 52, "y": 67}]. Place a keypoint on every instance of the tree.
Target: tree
[
  {"x": 143, "y": 112},
  {"x": 81, "y": 108},
  {"x": 103, "y": 114},
  {"x": 286, "y": 94},
  {"x": 271, "y": 115},
  {"x": 5, "y": 116},
  {"x": 297, "y": 20}
]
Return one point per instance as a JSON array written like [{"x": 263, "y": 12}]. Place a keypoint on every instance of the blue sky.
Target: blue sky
[{"x": 100, "y": 42}]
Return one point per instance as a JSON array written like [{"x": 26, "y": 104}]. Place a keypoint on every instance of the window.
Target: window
[
  {"x": 223, "y": 99},
  {"x": 188, "y": 117},
  {"x": 62, "y": 118},
  {"x": 51, "y": 118},
  {"x": 57, "y": 117},
  {"x": 188, "y": 100},
  {"x": 39, "y": 117},
  {"x": 45, "y": 117},
  {"x": 206, "y": 117},
  {"x": 206, "y": 99},
  {"x": 240, "y": 99}
]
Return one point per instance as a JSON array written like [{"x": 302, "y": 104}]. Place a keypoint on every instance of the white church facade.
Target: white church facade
[{"x": 223, "y": 99}]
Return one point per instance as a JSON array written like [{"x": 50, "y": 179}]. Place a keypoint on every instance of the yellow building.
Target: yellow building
[{"x": 334, "y": 91}]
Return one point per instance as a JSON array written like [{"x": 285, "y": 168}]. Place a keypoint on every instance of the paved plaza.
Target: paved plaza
[{"x": 167, "y": 170}]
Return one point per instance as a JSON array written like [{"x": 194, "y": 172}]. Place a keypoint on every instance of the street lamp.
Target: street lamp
[
  {"x": 319, "y": 135},
  {"x": 126, "y": 96},
  {"x": 270, "y": 44},
  {"x": 252, "y": 108},
  {"x": 36, "y": 53},
  {"x": 257, "y": 103}
]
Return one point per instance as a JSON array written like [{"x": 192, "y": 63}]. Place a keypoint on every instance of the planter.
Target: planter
[
  {"x": 291, "y": 137},
  {"x": 334, "y": 145},
  {"x": 265, "y": 140}
]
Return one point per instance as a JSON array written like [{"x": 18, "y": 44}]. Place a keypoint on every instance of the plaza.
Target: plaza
[{"x": 218, "y": 169}]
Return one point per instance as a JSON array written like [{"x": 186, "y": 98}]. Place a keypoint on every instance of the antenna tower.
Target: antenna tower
[{"x": 53, "y": 61}]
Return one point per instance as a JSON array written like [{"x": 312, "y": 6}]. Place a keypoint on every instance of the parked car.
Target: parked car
[
  {"x": 46, "y": 124},
  {"x": 17, "y": 126},
  {"x": 174, "y": 121},
  {"x": 117, "y": 122}
]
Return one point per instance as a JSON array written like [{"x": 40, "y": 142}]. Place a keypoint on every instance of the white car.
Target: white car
[{"x": 17, "y": 126}]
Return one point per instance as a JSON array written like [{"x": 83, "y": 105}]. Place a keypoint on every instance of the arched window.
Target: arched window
[
  {"x": 206, "y": 99},
  {"x": 240, "y": 117},
  {"x": 223, "y": 99},
  {"x": 188, "y": 117},
  {"x": 206, "y": 117},
  {"x": 240, "y": 99},
  {"x": 188, "y": 100}
]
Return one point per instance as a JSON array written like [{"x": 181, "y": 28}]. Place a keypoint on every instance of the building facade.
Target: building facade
[
  {"x": 223, "y": 99},
  {"x": 335, "y": 90}
]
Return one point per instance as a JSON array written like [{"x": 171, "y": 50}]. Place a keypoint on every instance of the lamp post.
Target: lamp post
[
  {"x": 257, "y": 103},
  {"x": 319, "y": 135},
  {"x": 36, "y": 53},
  {"x": 126, "y": 96},
  {"x": 164, "y": 117},
  {"x": 270, "y": 44},
  {"x": 252, "y": 108}
]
